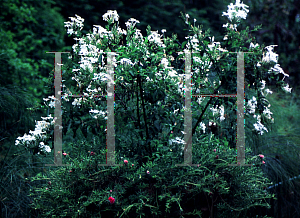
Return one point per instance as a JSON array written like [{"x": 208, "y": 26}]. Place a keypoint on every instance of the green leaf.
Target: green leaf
[{"x": 183, "y": 44}]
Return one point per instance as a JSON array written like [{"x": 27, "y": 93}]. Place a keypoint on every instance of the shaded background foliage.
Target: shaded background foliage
[{"x": 30, "y": 28}]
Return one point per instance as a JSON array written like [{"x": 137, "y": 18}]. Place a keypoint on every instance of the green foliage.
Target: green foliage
[{"x": 83, "y": 188}]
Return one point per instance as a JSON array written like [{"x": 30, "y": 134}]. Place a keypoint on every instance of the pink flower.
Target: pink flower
[
  {"x": 171, "y": 131},
  {"x": 111, "y": 200},
  {"x": 263, "y": 162},
  {"x": 92, "y": 153},
  {"x": 65, "y": 154},
  {"x": 262, "y": 156},
  {"x": 217, "y": 156},
  {"x": 132, "y": 165},
  {"x": 46, "y": 188},
  {"x": 70, "y": 171},
  {"x": 148, "y": 172},
  {"x": 110, "y": 190},
  {"x": 126, "y": 162},
  {"x": 215, "y": 150}
]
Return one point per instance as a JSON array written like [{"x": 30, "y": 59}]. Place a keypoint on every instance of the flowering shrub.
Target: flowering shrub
[{"x": 149, "y": 82}]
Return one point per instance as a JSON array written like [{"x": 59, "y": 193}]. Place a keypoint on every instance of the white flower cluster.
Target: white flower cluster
[
  {"x": 78, "y": 22},
  {"x": 217, "y": 46},
  {"x": 176, "y": 140},
  {"x": 37, "y": 134},
  {"x": 99, "y": 30},
  {"x": 253, "y": 46},
  {"x": 231, "y": 26},
  {"x": 193, "y": 43},
  {"x": 156, "y": 38},
  {"x": 98, "y": 114},
  {"x": 111, "y": 15},
  {"x": 218, "y": 110},
  {"x": 52, "y": 102},
  {"x": 131, "y": 23},
  {"x": 78, "y": 101},
  {"x": 238, "y": 11},
  {"x": 252, "y": 104},
  {"x": 204, "y": 63},
  {"x": 271, "y": 56},
  {"x": 259, "y": 126},
  {"x": 126, "y": 61},
  {"x": 203, "y": 127}
]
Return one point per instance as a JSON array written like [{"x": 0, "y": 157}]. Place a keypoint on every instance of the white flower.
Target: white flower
[
  {"x": 100, "y": 29},
  {"x": 260, "y": 127},
  {"x": 194, "y": 42},
  {"x": 238, "y": 11},
  {"x": 110, "y": 14},
  {"x": 252, "y": 105},
  {"x": 70, "y": 31},
  {"x": 25, "y": 139},
  {"x": 253, "y": 46},
  {"x": 263, "y": 84},
  {"x": 164, "y": 62},
  {"x": 98, "y": 114},
  {"x": 126, "y": 61},
  {"x": 85, "y": 63},
  {"x": 278, "y": 69},
  {"x": 213, "y": 44},
  {"x": 200, "y": 99},
  {"x": 47, "y": 118},
  {"x": 270, "y": 55},
  {"x": 47, "y": 148},
  {"x": 79, "y": 19},
  {"x": 163, "y": 30},
  {"x": 76, "y": 102},
  {"x": 203, "y": 127},
  {"x": 138, "y": 34},
  {"x": 120, "y": 31},
  {"x": 214, "y": 110},
  {"x": 52, "y": 104},
  {"x": 172, "y": 73},
  {"x": 131, "y": 23},
  {"x": 155, "y": 37},
  {"x": 176, "y": 140},
  {"x": 94, "y": 111},
  {"x": 221, "y": 111},
  {"x": 36, "y": 132},
  {"x": 286, "y": 88},
  {"x": 267, "y": 113},
  {"x": 266, "y": 92}
]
